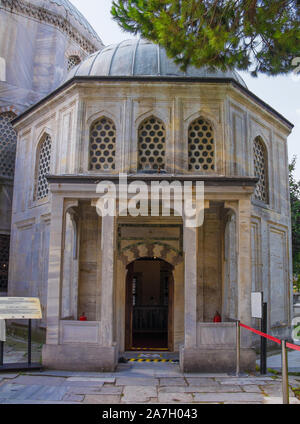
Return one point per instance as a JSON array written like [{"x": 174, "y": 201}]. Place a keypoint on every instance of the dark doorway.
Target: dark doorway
[{"x": 149, "y": 305}]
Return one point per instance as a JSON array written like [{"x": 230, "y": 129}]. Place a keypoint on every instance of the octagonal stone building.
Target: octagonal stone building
[{"x": 151, "y": 282}]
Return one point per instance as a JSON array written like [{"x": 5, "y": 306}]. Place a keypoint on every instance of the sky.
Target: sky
[{"x": 281, "y": 92}]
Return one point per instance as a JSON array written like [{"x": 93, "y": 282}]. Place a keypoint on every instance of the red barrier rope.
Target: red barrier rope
[{"x": 267, "y": 336}]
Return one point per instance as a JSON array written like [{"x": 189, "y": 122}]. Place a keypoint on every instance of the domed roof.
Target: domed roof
[
  {"x": 140, "y": 58},
  {"x": 68, "y": 11}
]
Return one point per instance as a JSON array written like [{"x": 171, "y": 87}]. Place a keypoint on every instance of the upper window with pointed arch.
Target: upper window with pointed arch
[
  {"x": 73, "y": 61},
  {"x": 43, "y": 167},
  {"x": 261, "y": 170},
  {"x": 151, "y": 145},
  {"x": 102, "y": 145},
  {"x": 201, "y": 146}
]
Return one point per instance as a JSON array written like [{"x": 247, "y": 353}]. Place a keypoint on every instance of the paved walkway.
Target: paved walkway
[
  {"x": 144, "y": 383},
  {"x": 141, "y": 382}
]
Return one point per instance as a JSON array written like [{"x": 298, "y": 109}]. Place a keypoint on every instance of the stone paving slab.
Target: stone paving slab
[
  {"x": 32, "y": 392},
  {"x": 91, "y": 379},
  {"x": 10, "y": 391},
  {"x": 172, "y": 381},
  {"x": 278, "y": 400},
  {"x": 70, "y": 397},
  {"x": 43, "y": 380},
  {"x": 102, "y": 399},
  {"x": 113, "y": 390},
  {"x": 202, "y": 381},
  {"x": 251, "y": 389},
  {"x": 175, "y": 397},
  {"x": 83, "y": 383},
  {"x": 34, "y": 402},
  {"x": 66, "y": 374},
  {"x": 136, "y": 381},
  {"x": 228, "y": 397},
  {"x": 245, "y": 381},
  {"x": 201, "y": 389},
  {"x": 205, "y": 375},
  {"x": 90, "y": 390},
  {"x": 139, "y": 393},
  {"x": 275, "y": 390}
]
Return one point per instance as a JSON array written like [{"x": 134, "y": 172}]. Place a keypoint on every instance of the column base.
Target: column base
[
  {"x": 78, "y": 357},
  {"x": 215, "y": 360}
]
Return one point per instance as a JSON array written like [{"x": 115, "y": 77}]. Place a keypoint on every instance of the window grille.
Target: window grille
[
  {"x": 151, "y": 145},
  {"x": 8, "y": 142},
  {"x": 102, "y": 145},
  {"x": 43, "y": 168},
  {"x": 201, "y": 146},
  {"x": 260, "y": 170}
]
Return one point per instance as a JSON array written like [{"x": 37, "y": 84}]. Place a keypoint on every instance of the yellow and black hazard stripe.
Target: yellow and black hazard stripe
[
  {"x": 152, "y": 360},
  {"x": 149, "y": 348}
]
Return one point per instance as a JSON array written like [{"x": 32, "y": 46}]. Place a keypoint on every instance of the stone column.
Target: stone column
[
  {"x": 108, "y": 237},
  {"x": 55, "y": 270},
  {"x": 190, "y": 286},
  {"x": 244, "y": 274},
  {"x": 187, "y": 351}
]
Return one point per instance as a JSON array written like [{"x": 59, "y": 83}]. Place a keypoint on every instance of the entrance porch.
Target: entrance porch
[{"x": 148, "y": 282}]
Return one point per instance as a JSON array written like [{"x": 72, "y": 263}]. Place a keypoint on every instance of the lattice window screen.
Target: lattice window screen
[
  {"x": 151, "y": 145},
  {"x": 102, "y": 145},
  {"x": 8, "y": 142},
  {"x": 44, "y": 160},
  {"x": 4, "y": 257},
  {"x": 260, "y": 170},
  {"x": 73, "y": 61},
  {"x": 201, "y": 146}
]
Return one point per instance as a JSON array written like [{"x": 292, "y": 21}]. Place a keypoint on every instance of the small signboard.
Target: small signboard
[
  {"x": 256, "y": 304},
  {"x": 20, "y": 308}
]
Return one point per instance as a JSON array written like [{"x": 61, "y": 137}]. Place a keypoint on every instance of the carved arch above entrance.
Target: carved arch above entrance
[{"x": 151, "y": 249}]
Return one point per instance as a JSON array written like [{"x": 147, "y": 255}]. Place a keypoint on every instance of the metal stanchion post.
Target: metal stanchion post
[
  {"x": 1, "y": 352},
  {"x": 263, "y": 342},
  {"x": 284, "y": 372},
  {"x": 29, "y": 342},
  {"x": 238, "y": 347}
]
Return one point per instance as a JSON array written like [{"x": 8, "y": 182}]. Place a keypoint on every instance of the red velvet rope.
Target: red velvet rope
[{"x": 267, "y": 336}]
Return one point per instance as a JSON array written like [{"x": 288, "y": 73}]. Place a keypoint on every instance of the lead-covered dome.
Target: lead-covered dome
[
  {"x": 68, "y": 11},
  {"x": 140, "y": 58}
]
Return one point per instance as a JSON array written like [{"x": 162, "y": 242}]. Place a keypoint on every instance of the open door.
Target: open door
[{"x": 149, "y": 305}]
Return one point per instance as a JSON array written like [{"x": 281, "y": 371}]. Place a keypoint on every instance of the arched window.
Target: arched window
[
  {"x": 102, "y": 145},
  {"x": 261, "y": 170},
  {"x": 73, "y": 61},
  {"x": 201, "y": 146},
  {"x": 151, "y": 144},
  {"x": 8, "y": 142},
  {"x": 43, "y": 167}
]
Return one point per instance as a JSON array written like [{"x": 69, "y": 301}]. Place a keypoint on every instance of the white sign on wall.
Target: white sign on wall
[
  {"x": 2, "y": 331},
  {"x": 256, "y": 304}
]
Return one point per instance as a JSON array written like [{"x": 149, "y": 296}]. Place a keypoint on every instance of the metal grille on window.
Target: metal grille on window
[
  {"x": 260, "y": 170},
  {"x": 8, "y": 142},
  {"x": 201, "y": 146},
  {"x": 102, "y": 145},
  {"x": 42, "y": 188},
  {"x": 151, "y": 145},
  {"x": 73, "y": 61},
  {"x": 4, "y": 256}
]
